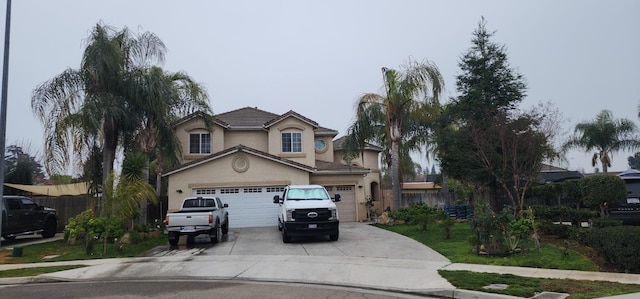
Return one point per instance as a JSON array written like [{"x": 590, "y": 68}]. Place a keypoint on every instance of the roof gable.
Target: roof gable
[
  {"x": 246, "y": 117},
  {"x": 294, "y": 114},
  {"x": 237, "y": 149}
]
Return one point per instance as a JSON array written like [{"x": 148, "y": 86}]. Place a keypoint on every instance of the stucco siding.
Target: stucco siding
[
  {"x": 221, "y": 172},
  {"x": 253, "y": 139},
  {"x": 292, "y": 124},
  {"x": 196, "y": 125}
]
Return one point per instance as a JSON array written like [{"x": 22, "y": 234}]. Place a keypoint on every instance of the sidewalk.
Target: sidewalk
[{"x": 404, "y": 276}]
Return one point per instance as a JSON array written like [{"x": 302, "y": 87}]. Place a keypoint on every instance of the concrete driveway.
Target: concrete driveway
[{"x": 356, "y": 240}]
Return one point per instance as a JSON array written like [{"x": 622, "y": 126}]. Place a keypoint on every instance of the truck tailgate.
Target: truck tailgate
[{"x": 188, "y": 219}]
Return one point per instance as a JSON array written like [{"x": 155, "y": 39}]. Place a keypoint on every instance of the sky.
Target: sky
[{"x": 318, "y": 57}]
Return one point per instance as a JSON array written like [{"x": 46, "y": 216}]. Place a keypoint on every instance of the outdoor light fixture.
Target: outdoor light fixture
[{"x": 179, "y": 190}]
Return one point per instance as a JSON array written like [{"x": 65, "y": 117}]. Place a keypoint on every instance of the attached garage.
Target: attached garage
[
  {"x": 248, "y": 206},
  {"x": 347, "y": 203}
]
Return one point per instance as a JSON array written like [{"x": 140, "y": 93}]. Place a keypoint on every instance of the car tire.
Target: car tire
[
  {"x": 50, "y": 228},
  {"x": 285, "y": 236},
  {"x": 225, "y": 227},
  {"x": 334, "y": 237},
  {"x": 173, "y": 239},
  {"x": 217, "y": 235}
]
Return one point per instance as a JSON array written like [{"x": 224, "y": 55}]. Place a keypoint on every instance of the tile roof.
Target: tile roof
[
  {"x": 288, "y": 114},
  {"x": 246, "y": 117},
  {"x": 332, "y": 166},
  {"x": 238, "y": 148},
  {"x": 337, "y": 145}
]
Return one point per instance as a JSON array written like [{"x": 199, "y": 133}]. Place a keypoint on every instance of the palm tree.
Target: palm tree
[
  {"x": 162, "y": 97},
  {"x": 400, "y": 117},
  {"x": 605, "y": 135},
  {"x": 92, "y": 105}
]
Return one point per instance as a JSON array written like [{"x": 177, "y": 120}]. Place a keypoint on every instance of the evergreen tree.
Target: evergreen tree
[{"x": 482, "y": 138}]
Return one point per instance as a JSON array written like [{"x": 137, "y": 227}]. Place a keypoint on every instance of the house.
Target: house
[
  {"x": 250, "y": 155},
  {"x": 553, "y": 174}
]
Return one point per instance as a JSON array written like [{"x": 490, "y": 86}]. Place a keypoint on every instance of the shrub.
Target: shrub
[
  {"x": 420, "y": 214},
  {"x": 87, "y": 228},
  {"x": 602, "y": 223},
  {"x": 618, "y": 245},
  {"x": 559, "y": 230},
  {"x": 563, "y": 214}
]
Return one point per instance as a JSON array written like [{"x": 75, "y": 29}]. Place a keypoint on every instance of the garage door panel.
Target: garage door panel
[
  {"x": 249, "y": 206},
  {"x": 347, "y": 204}
]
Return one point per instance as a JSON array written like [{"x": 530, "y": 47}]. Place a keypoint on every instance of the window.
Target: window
[
  {"x": 292, "y": 142},
  {"x": 200, "y": 143},
  {"x": 320, "y": 145}
]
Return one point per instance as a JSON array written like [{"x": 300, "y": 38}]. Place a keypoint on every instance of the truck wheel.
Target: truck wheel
[
  {"x": 50, "y": 228},
  {"x": 217, "y": 234},
  {"x": 173, "y": 238},
  {"x": 279, "y": 225},
  {"x": 334, "y": 237},
  {"x": 285, "y": 236},
  {"x": 191, "y": 239},
  {"x": 225, "y": 227}
]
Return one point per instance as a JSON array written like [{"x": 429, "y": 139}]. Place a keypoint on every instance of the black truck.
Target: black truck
[{"x": 22, "y": 216}]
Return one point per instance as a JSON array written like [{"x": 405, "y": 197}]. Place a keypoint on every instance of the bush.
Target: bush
[
  {"x": 602, "y": 223},
  {"x": 563, "y": 214},
  {"x": 88, "y": 228},
  {"x": 419, "y": 214},
  {"x": 560, "y": 230},
  {"x": 618, "y": 245}
]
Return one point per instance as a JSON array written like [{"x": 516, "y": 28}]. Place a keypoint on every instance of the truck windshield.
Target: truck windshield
[
  {"x": 199, "y": 203},
  {"x": 307, "y": 194}
]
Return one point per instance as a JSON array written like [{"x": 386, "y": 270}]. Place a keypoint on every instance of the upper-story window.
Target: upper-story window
[
  {"x": 292, "y": 142},
  {"x": 200, "y": 143}
]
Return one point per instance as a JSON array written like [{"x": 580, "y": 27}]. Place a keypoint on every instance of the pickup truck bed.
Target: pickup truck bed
[{"x": 198, "y": 215}]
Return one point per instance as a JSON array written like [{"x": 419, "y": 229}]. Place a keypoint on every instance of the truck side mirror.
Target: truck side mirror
[
  {"x": 276, "y": 199},
  {"x": 226, "y": 205},
  {"x": 336, "y": 198}
]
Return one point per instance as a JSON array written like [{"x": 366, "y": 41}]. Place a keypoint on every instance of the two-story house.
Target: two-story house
[{"x": 249, "y": 155}]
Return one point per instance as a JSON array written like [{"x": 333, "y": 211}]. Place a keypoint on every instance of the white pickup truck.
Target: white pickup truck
[
  {"x": 198, "y": 215},
  {"x": 307, "y": 210}
]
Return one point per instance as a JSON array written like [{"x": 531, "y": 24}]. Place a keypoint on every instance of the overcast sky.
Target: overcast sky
[{"x": 317, "y": 57}]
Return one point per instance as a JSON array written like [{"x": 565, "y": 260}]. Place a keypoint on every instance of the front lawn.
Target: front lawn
[
  {"x": 561, "y": 256},
  {"x": 59, "y": 251},
  {"x": 459, "y": 250}
]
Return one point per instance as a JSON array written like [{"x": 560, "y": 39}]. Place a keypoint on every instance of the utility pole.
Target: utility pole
[{"x": 3, "y": 107}]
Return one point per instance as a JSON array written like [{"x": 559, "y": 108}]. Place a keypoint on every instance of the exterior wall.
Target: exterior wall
[
  {"x": 370, "y": 159},
  {"x": 223, "y": 172},
  {"x": 307, "y": 156},
  {"x": 254, "y": 139},
  {"x": 196, "y": 125},
  {"x": 327, "y": 153},
  {"x": 356, "y": 180}
]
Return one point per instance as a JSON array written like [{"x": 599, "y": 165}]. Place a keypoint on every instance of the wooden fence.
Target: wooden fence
[{"x": 66, "y": 206}]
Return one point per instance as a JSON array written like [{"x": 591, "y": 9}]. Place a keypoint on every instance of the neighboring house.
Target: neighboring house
[
  {"x": 552, "y": 174},
  {"x": 249, "y": 155}
]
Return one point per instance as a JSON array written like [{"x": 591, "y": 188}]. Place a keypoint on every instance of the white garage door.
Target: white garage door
[
  {"x": 347, "y": 203},
  {"x": 248, "y": 206}
]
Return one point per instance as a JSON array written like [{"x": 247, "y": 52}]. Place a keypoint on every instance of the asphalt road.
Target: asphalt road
[{"x": 189, "y": 289}]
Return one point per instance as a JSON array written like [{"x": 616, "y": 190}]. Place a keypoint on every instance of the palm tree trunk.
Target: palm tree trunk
[
  {"x": 395, "y": 173},
  {"x": 108, "y": 156}
]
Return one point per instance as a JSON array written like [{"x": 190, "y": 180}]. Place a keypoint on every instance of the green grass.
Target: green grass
[
  {"x": 60, "y": 251},
  {"x": 527, "y": 287},
  {"x": 24, "y": 272},
  {"x": 459, "y": 250}
]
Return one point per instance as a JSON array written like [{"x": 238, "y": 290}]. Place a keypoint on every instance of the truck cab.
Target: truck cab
[{"x": 307, "y": 210}]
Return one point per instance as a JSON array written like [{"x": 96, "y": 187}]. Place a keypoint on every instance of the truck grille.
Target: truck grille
[{"x": 303, "y": 214}]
